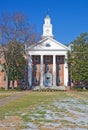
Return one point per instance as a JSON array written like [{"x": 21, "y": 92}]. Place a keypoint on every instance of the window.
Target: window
[
  {"x": 36, "y": 58},
  {"x": 47, "y": 58},
  {"x": 47, "y": 68},
  {"x": 59, "y": 67},
  {"x": 35, "y": 67},
  {"x": 35, "y": 80},
  {"x": 48, "y": 45},
  {"x": 59, "y": 58},
  {"x": 59, "y": 80}
]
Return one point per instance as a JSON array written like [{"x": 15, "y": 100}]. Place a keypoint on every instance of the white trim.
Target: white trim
[
  {"x": 47, "y": 38},
  {"x": 65, "y": 71},
  {"x": 47, "y": 52}
]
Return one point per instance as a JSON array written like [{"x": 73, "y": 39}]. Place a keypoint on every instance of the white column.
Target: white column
[
  {"x": 65, "y": 71},
  {"x": 54, "y": 70},
  {"x": 30, "y": 70},
  {"x": 41, "y": 72}
]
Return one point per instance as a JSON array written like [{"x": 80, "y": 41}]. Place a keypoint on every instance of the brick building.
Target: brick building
[{"x": 47, "y": 62}]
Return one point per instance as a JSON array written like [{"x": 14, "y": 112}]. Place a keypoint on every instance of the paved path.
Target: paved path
[{"x": 13, "y": 96}]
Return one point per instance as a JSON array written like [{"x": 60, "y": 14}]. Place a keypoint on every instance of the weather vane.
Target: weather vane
[{"x": 47, "y": 13}]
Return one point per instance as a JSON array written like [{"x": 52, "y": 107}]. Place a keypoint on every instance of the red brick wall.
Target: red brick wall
[
  {"x": 2, "y": 75},
  {"x": 2, "y": 79},
  {"x": 60, "y": 73},
  {"x": 34, "y": 72}
]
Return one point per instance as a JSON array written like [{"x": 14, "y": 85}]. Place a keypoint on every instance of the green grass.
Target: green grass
[{"x": 29, "y": 101}]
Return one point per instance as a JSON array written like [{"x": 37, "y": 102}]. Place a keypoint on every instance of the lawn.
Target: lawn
[{"x": 46, "y": 111}]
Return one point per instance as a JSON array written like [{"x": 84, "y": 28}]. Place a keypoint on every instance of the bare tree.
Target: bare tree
[{"x": 14, "y": 28}]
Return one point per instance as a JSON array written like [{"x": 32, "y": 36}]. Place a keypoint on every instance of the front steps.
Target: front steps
[{"x": 43, "y": 88}]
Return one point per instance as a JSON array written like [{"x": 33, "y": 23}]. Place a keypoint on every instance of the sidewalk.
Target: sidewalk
[{"x": 14, "y": 96}]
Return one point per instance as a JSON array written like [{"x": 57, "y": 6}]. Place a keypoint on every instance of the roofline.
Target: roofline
[{"x": 45, "y": 40}]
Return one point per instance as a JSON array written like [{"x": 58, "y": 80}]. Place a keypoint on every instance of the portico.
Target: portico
[{"x": 47, "y": 70}]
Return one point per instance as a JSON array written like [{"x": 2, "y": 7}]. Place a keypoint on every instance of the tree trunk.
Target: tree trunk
[
  {"x": 8, "y": 84},
  {"x": 6, "y": 88}
]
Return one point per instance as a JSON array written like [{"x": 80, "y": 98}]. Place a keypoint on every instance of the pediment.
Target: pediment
[{"x": 49, "y": 44}]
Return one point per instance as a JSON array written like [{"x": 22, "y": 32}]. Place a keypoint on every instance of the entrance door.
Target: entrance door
[{"x": 47, "y": 81}]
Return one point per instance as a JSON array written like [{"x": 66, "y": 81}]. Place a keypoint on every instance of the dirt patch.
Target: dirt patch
[{"x": 11, "y": 123}]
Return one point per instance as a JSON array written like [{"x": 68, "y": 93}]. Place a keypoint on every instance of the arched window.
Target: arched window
[{"x": 48, "y": 45}]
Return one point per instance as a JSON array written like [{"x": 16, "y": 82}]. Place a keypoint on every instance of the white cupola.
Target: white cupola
[{"x": 47, "y": 28}]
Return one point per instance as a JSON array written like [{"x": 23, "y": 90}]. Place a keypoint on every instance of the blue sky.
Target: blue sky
[{"x": 69, "y": 17}]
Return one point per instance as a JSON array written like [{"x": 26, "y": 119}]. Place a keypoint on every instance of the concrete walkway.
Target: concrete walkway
[{"x": 13, "y": 96}]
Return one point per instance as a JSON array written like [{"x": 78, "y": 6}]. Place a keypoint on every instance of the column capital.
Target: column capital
[
  {"x": 29, "y": 55},
  {"x": 41, "y": 55},
  {"x": 54, "y": 54}
]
